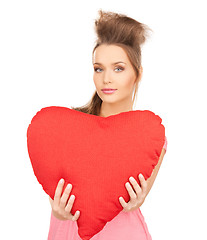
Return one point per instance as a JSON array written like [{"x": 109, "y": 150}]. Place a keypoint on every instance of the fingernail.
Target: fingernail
[
  {"x": 61, "y": 180},
  {"x": 68, "y": 186},
  {"x": 141, "y": 175}
]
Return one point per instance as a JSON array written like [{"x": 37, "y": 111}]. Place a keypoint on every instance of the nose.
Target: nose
[{"x": 106, "y": 77}]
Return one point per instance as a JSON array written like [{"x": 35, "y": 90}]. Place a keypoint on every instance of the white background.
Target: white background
[{"x": 46, "y": 60}]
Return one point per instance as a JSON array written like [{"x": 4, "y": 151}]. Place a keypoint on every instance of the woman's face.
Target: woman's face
[{"x": 112, "y": 69}]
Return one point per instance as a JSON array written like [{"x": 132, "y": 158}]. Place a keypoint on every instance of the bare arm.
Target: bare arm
[{"x": 151, "y": 179}]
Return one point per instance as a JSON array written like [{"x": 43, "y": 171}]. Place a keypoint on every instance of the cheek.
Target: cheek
[
  {"x": 95, "y": 81},
  {"x": 126, "y": 83},
  {"x": 98, "y": 85}
]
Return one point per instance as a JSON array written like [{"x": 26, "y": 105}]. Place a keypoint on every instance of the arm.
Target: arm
[{"x": 151, "y": 179}]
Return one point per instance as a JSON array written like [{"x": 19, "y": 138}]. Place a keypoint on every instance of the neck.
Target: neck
[{"x": 108, "y": 109}]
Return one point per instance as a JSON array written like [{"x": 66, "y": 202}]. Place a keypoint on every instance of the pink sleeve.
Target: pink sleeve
[
  {"x": 126, "y": 225},
  {"x": 165, "y": 144}
]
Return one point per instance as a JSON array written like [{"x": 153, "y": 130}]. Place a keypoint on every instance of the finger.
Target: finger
[
  {"x": 65, "y": 196},
  {"x": 143, "y": 183},
  {"x": 70, "y": 204},
  {"x": 51, "y": 201},
  {"x": 131, "y": 192},
  {"x": 58, "y": 192},
  {"x": 135, "y": 185},
  {"x": 76, "y": 216},
  {"x": 123, "y": 203}
]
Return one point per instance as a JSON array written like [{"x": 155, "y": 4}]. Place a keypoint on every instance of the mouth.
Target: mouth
[{"x": 108, "y": 90}]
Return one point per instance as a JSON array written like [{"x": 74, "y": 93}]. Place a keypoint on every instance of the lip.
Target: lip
[{"x": 108, "y": 90}]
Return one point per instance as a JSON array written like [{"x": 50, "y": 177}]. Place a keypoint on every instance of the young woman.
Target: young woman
[{"x": 117, "y": 72}]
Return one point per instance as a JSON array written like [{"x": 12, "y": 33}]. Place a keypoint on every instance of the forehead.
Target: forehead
[{"x": 107, "y": 54}]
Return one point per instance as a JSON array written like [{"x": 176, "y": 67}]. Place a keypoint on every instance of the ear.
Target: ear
[
  {"x": 140, "y": 73},
  {"x": 138, "y": 79}
]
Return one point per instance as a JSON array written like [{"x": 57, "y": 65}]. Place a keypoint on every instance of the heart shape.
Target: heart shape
[{"x": 97, "y": 155}]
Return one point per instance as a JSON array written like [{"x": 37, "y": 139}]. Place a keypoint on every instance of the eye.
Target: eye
[
  {"x": 95, "y": 69},
  {"x": 120, "y": 68}
]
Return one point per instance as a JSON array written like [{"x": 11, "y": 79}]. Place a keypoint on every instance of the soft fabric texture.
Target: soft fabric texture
[
  {"x": 126, "y": 225},
  {"x": 97, "y": 155}
]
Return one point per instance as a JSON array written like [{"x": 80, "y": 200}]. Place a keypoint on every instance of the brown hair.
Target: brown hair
[{"x": 123, "y": 31}]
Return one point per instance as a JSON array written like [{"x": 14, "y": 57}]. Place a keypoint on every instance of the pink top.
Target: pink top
[{"x": 126, "y": 225}]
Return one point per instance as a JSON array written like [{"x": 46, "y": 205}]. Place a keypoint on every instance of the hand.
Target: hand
[
  {"x": 59, "y": 208},
  {"x": 137, "y": 197}
]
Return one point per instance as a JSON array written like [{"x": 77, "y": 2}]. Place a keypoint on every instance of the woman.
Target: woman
[{"x": 117, "y": 73}]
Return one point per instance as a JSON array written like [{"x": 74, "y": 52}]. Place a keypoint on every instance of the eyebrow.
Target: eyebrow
[{"x": 112, "y": 63}]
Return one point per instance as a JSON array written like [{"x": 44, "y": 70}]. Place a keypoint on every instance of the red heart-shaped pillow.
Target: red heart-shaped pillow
[{"x": 97, "y": 155}]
